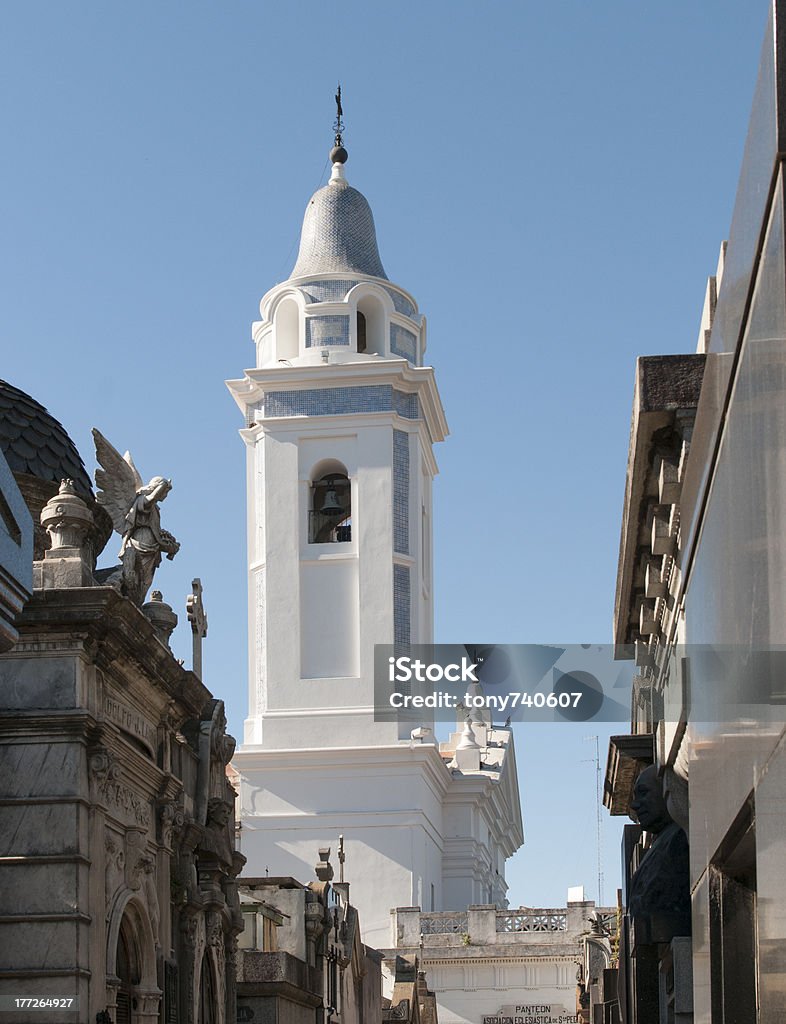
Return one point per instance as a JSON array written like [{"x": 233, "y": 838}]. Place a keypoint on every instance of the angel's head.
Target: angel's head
[{"x": 157, "y": 489}]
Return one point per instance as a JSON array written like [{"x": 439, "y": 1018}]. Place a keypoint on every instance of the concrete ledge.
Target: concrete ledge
[
  {"x": 278, "y": 974},
  {"x": 627, "y": 756}
]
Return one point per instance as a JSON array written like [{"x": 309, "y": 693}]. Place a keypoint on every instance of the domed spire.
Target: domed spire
[{"x": 338, "y": 235}]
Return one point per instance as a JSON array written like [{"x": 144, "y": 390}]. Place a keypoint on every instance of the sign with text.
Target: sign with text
[{"x": 533, "y": 1013}]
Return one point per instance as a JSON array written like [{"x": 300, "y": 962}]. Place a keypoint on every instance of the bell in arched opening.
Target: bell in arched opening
[
  {"x": 331, "y": 509},
  {"x": 331, "y": 506}
]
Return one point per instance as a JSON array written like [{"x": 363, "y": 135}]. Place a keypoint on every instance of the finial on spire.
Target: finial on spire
[{"x": 338, "y": 155}]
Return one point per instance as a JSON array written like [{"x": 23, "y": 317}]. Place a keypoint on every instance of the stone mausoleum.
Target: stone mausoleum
[{"x": 118, "y": 896}]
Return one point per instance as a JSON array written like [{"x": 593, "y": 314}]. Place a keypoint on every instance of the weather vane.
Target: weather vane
[{"x": 338, "y": 124}]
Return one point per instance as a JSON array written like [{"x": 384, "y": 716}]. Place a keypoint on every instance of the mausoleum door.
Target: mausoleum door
[
  {"x": 207, "y": 998},
  {"x": 125, "y": 971}
]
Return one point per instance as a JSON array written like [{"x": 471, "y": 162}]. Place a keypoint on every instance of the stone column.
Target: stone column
[{"x": 482, "y": 924}]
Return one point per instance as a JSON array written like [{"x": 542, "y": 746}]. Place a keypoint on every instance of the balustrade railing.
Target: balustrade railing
[
  {"x": 532, "y": 921},
  {"x": 444, "y": 924}
]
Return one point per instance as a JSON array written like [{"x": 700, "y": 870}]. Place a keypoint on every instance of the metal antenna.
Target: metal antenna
[
  {"x": 338, "y": 124},
  {"x": 598, "y": 818}
]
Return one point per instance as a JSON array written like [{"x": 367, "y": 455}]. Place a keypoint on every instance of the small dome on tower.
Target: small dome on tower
[{"x": 338, "y": 235}]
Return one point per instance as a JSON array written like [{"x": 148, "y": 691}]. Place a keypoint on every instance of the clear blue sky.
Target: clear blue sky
[{"x": 551, "y": 180}]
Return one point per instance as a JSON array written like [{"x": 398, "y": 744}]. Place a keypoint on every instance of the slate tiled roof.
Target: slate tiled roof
[
  {"x": 338, "y": 234},
  {"x": 34, "y": 443}
]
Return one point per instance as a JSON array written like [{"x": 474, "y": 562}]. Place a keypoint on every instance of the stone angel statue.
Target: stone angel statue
[{"x": 133, "y": 508}]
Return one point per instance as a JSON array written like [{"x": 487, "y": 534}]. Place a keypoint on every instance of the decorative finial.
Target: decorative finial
[{"x": 338, "y": 155}]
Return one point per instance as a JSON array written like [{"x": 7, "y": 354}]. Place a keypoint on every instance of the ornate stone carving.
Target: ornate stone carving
[
  {"x": 222, "y": 745},
  {"x": 161, "y": 617},
  {"x": 315, "y": 921},
  {"x": 135, "y": 854},
  {"x": 151, "y": 894},
  {"x": 192, "y": 937},
  {"x": 217, "y": 838},
  {"x": 189, "y": 930},
  {"x": 398, "y": 1012},
  {"x": 103, "y": 767},
  {"x": 215, "y": 934},
  {"x": 133, "y": 508},
  {"x": 171, "y": 718},
  {"x": 216, "y": 944},
  {"x": 105, "y": 771},
  {"x": 142, "y": 877},
  {"x": 68, "y": 521},
  {"x": 172, "y": 818},
  {"x": 114, "y": 865},
  {"x": 130, "y": 720},
  {"x": 208, "y": 738},
  {"x": 148, "y": 1004},
  {"x": 66, "y": 518},
  {"x": 125, "y": 802}
]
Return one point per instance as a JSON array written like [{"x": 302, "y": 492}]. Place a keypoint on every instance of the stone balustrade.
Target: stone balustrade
[{"x": 486, "y": 924}]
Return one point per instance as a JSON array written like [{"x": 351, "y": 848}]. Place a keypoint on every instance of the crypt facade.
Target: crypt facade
[{"x": 117, "y": 848}]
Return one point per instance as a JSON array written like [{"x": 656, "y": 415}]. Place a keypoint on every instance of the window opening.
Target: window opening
[{"x": 361, "y": 332}]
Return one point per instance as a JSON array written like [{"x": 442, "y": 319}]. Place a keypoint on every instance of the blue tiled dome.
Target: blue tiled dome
[
  {"x": 40, "y": 454},
  {"x": 338, "y": 235},
  {"x": 34, "y": 443}
]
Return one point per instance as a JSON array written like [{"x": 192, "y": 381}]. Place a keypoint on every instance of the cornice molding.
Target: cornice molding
[{"x": 108, "y": 630}]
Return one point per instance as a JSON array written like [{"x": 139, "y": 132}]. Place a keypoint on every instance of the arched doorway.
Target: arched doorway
[
  {"x": 207, "y": 994},
  {"x": 128, "y": 971},
  {"x": 132, "y": 990}
]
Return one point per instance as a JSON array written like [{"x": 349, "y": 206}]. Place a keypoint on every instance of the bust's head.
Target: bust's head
[
  {"x": 218, "y": 812},
  {"x": 649, "y": 805}
]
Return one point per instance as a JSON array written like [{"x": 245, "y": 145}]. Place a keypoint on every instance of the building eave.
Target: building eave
[
  {"x": 250, "y": 389},
  {"x": 627, "y": 756},
  {"x": 665, "y": 386}
]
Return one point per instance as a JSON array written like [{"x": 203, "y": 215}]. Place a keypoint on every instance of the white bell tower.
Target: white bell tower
[{"x": 341, "y": 417}]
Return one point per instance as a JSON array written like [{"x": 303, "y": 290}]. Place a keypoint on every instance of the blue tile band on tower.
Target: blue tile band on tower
[
  {"x": 401, "y": 609},
  {"x": 327, "y": 330},
  {"x": 401, "y": 492},
  {"x": 403, "y": 343},
  {"x": 402, "y": 304},
  {"x": 327, "y": 291},
  {"x": 342, "y": 401},
  {"x": 406, "y": 405}
]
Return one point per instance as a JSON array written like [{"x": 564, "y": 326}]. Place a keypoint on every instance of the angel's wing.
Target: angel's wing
[
  {"x": 139, "y": 481},
  {"x": 117, "y": 481}
]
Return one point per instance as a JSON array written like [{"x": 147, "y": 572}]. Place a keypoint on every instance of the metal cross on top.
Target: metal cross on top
[
  {"x": 198, "y": 619},
  {"x": 338, "y": 124}
]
